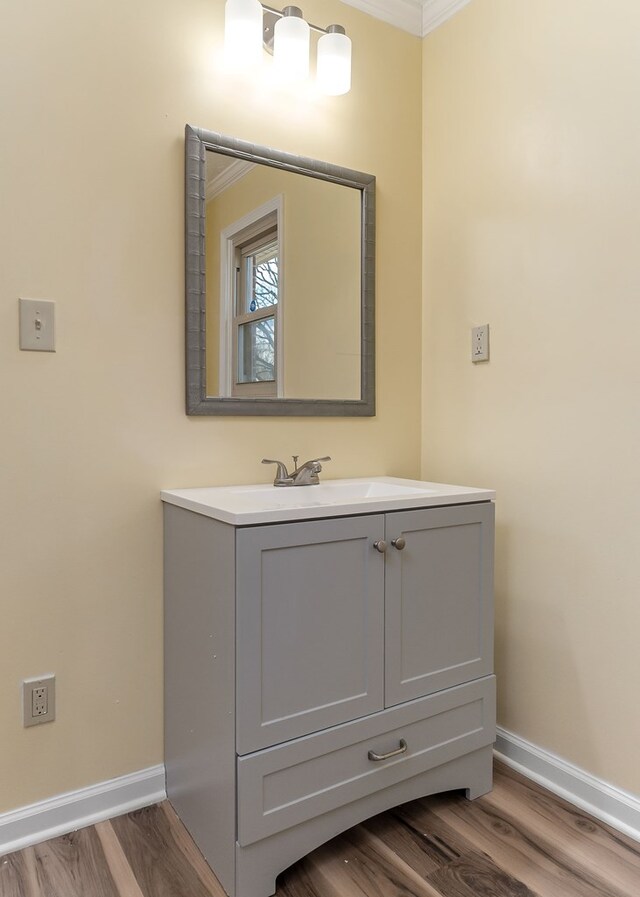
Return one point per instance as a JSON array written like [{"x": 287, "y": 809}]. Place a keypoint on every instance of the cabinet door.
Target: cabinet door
[
  {"x": 439, "y": 599},
  {"x": 310, "y": 627}
]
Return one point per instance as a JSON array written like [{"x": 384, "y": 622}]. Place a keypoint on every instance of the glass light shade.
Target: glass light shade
[
  {"x": 334, "y": 63},
  {"x": 291, "y": 48},
  {"x": 243, "y": 33}
]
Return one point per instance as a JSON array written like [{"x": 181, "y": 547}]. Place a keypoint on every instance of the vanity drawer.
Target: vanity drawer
[{"x": 288, "y": 784}]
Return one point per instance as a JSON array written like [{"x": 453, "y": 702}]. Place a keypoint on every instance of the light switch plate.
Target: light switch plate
[{"x": 37, "y": 325}]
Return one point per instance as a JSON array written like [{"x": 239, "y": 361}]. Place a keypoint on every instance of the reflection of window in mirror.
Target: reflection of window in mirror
[
  {"x": 255, "y": 313},
  {"x": 251, "y": 342}
]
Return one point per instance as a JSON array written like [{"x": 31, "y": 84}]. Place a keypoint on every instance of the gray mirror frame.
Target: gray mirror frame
[{"x": 197, "y": 142}]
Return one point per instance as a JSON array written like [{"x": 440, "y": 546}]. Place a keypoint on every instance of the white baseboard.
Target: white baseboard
[
  {"x": 76, "y": 809},
  {"x": 617, "y": 808}
]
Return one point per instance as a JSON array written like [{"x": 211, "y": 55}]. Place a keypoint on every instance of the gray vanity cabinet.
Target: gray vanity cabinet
[
  {"x": 321, "y": 615},
  {"x": 314, "y": 679},
  {"x": 310, "y": 627},
  {"x": 439, "y": 599}
]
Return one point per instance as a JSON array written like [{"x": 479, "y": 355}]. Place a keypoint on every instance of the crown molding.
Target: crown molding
[
  {"x": 435, "y": 12},
  {"x": 227, "y": 177},
  {"x": 404, "y": 14},
  {"x": 418, "y": 17}
]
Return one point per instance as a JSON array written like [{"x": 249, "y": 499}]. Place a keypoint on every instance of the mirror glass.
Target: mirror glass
[{"x": 279, "y": 282}]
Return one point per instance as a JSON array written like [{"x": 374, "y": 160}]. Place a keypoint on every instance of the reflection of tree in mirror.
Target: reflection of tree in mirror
[
  {"x": 264, "y": 348},
  {"x": 257, "y": 351},
  {"x": 265, "y": 280},
  {"x": 260, "y": 365}
]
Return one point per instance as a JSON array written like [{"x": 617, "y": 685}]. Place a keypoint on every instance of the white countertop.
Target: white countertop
[{"x": 265, "y": 503}]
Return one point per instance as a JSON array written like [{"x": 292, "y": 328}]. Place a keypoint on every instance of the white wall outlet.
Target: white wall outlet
[
  {"x": 480, "y": 343},
  {"x": 39, "y": 700},
  {"x": 37, "y": 325}
]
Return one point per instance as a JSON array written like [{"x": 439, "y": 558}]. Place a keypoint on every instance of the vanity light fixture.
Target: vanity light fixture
[
  {"x": 334, "y": 62},
  {"x": 243, "y": 33},
  {"x": 250, "y": 26},
  {"x": 291, "y": 39}
]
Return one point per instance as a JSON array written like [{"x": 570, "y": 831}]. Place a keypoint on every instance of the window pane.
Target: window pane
[
  {"x": 256, "y": 351},
  {"x": 261, "y": 278}
]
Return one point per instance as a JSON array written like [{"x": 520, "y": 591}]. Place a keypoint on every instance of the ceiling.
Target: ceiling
[{"x": 415, "y": 16}]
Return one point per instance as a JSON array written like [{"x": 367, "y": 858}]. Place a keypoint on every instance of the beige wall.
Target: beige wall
[
  {"x": 532, "y": 210},
  {"x": 322, "y": 235},
  {"x": 532, "y": 205},
  {"x": 94, "y": 102}
]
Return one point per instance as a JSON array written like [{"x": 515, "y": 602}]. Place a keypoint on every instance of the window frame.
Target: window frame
[
  {"x": 265, "y": 218},
  {"x": 243, "y": 252}
]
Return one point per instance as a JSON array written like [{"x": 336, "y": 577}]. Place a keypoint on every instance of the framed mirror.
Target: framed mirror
[{"x": 280, "y": 282}]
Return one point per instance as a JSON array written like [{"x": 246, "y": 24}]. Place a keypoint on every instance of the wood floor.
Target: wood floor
[{"x": 518, "y": 841}]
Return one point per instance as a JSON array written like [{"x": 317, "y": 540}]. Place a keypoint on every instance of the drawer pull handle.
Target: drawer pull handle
[
  {"x": 380, "y": 546},
  {"x": 401, "y": 750},
  {"x": 399, "y": 543}
]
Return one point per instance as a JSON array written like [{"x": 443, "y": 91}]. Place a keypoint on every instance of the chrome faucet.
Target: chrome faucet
[{"x": 304, "y": 475}]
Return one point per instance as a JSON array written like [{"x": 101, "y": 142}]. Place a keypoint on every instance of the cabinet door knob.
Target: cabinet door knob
[
  {"x": 399, "y": 543},
  {"x": 401, "y": 750},
  {"x": 380, "y": 546}
]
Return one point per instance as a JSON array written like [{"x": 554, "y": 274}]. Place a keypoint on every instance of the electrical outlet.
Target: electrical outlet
[
  {"x": 39, "y": 700},
  {"x": 480, "y": 343}
]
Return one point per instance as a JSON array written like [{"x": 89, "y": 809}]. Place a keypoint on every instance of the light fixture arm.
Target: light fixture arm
[{"x": 279, "y": 13}]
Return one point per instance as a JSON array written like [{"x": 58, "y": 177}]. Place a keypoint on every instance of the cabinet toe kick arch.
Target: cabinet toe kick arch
[{"x": 285, "y": 785}]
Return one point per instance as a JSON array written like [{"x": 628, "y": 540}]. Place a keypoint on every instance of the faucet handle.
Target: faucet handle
[
  {"x": 282, "y": 473},
  {"x": 316, "y": 463},
  {"x": 279, "y": 463}
]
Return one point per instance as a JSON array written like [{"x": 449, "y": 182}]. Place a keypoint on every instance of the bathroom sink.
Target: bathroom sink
[
  {"x": 331, "y": 491},
  {"x": 265, "y": 503}
]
